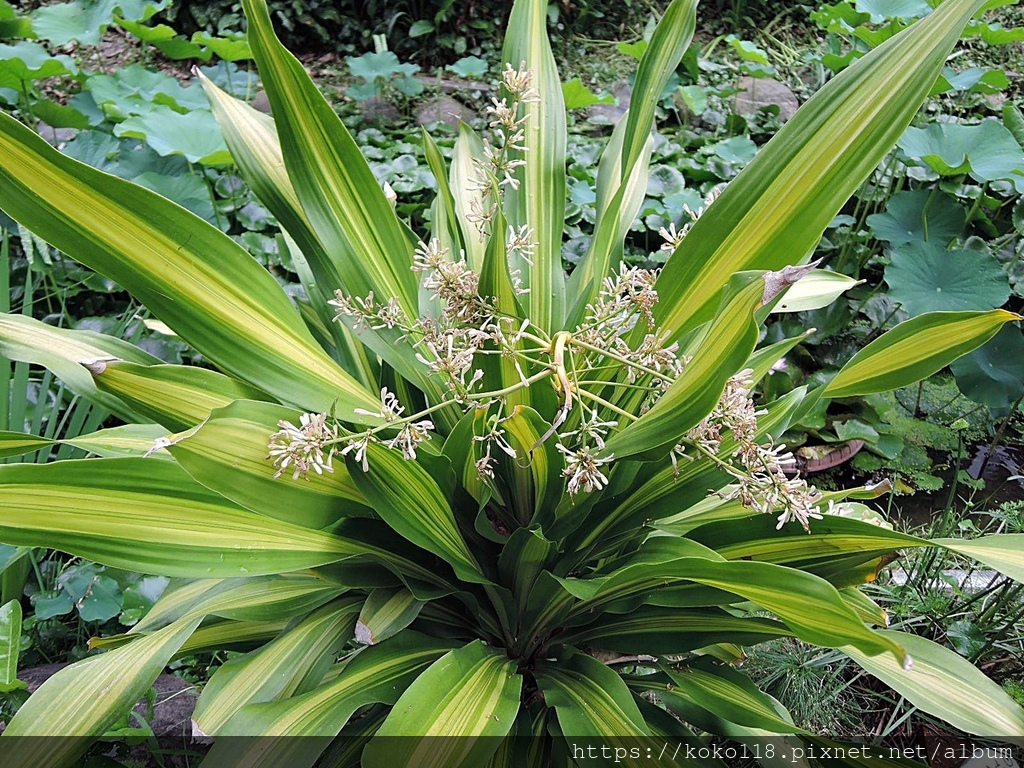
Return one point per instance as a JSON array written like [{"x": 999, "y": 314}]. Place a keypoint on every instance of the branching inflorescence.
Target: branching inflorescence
[{"x": 617, "y": 347}]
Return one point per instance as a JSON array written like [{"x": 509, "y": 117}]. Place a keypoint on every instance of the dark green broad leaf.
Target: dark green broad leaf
[
  {"x": 187, "y": 191},
  {"x": 227, "y": 46},
  {"x": 164, "y": 39},
  {"x": 925, "y": 277},
  {"x": 994, "y": 373},
  {"x": 578, "y": 96},
  {"x": 986, "y": 151},
  {"x": 919, "y": 215}
]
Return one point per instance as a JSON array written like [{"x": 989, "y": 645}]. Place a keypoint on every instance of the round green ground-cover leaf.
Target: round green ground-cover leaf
[
  {"x": 25, "y": 61},
  {"x": 882, "y": 10},
  {"x": 986, "y": 151},
  {"x": 918, "y": 215},
  {"x": 994, "y": 373},
  {"x": 195, "y": 134},
  {"x": 134, "y": 90},
  {"x": 925, "y": 277}
]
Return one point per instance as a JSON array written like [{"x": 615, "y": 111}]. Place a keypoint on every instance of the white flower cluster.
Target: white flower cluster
[
  {"x": 762, "y": 482},
  {"x": 302, "y": 448},
  {"x": 500, "y": 161},
  {"x": 672, "y": 236}
]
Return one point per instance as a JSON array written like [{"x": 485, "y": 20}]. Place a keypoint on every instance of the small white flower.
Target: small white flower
[
  {"x": 390, "y": 409},
  {"x": 359, "y": 448},
  {"x": 410, "y": 436},
  {"x": 301, "y": 448},
  {"x": 583, "y": 469}
]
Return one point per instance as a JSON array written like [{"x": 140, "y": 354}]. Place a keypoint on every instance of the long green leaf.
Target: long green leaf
[
  {"x": 468, "y": 697},
  {"x": 150, "y": 516},
  {"x": 10, "y": 645},
  {"x": 653, "y": 629},
  {"x": 340, "y": 196},
  {"x": 914, "y": 350},
  {"x": 1004, "y": 552},
  {"x": 539, "y": 202},
  {"x": 591, "y": 700},
  {"x": 257, "y": 599},
  {"x": 774, "y": 212},
  {"x": 622, "y": 178},
  {"x": 944, "y": 684},
  {"x": 85, "y": 699},
  {"x": 276, "y": 670},
  {"x": 228, "y": 454},
  {"x": 730, "y": 695},
  {"x": 63, "y": 351},
  {"x": 177, "y": 396},
  {"x": 810, "y": 606},
  {"x": 190, "y": 274},
  {"x": 385, "y": 613},
  {"x": 18, "y": 443},
  {"x": 410, "y": 501},
  {"x": 376, "y": 675},
  {"x": 725, "y": 345},
  {"x": 252, "y": 138}
]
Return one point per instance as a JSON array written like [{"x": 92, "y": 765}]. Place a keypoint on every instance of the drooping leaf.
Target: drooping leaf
[
  {"x": 63, "y": 351},
  {"x": 210, "y": 291},
  {"x": 946, "y": 685},
  {"x": 914, "y": 350},
  {"x": 85, "y": 699},
  {"x": 591, "y": 700},
  {"x": 149, "y": 516},
  {"x": 228, "y": 454},
  {"x": 276, "y": 670},
  {"x": 178, "y": 397}
]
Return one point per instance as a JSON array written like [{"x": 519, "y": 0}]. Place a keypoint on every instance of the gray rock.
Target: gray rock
[
  {"x": 757, "y": 92},
  {"x": 261, "y": 102},
  {"x": 378, "y": 110},
  {"x": 56, "y": 136},
  {"x": 444, "y": 110},
  {"x": 610, "y": 114}
]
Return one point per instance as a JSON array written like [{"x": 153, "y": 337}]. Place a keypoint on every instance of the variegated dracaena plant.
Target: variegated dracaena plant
[{"x": 485, "y": 511}]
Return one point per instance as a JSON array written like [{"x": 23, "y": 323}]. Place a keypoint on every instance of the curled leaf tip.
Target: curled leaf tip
[
  {"x": 776, "y": 282},
  {"x": 97, "y": 365}
]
